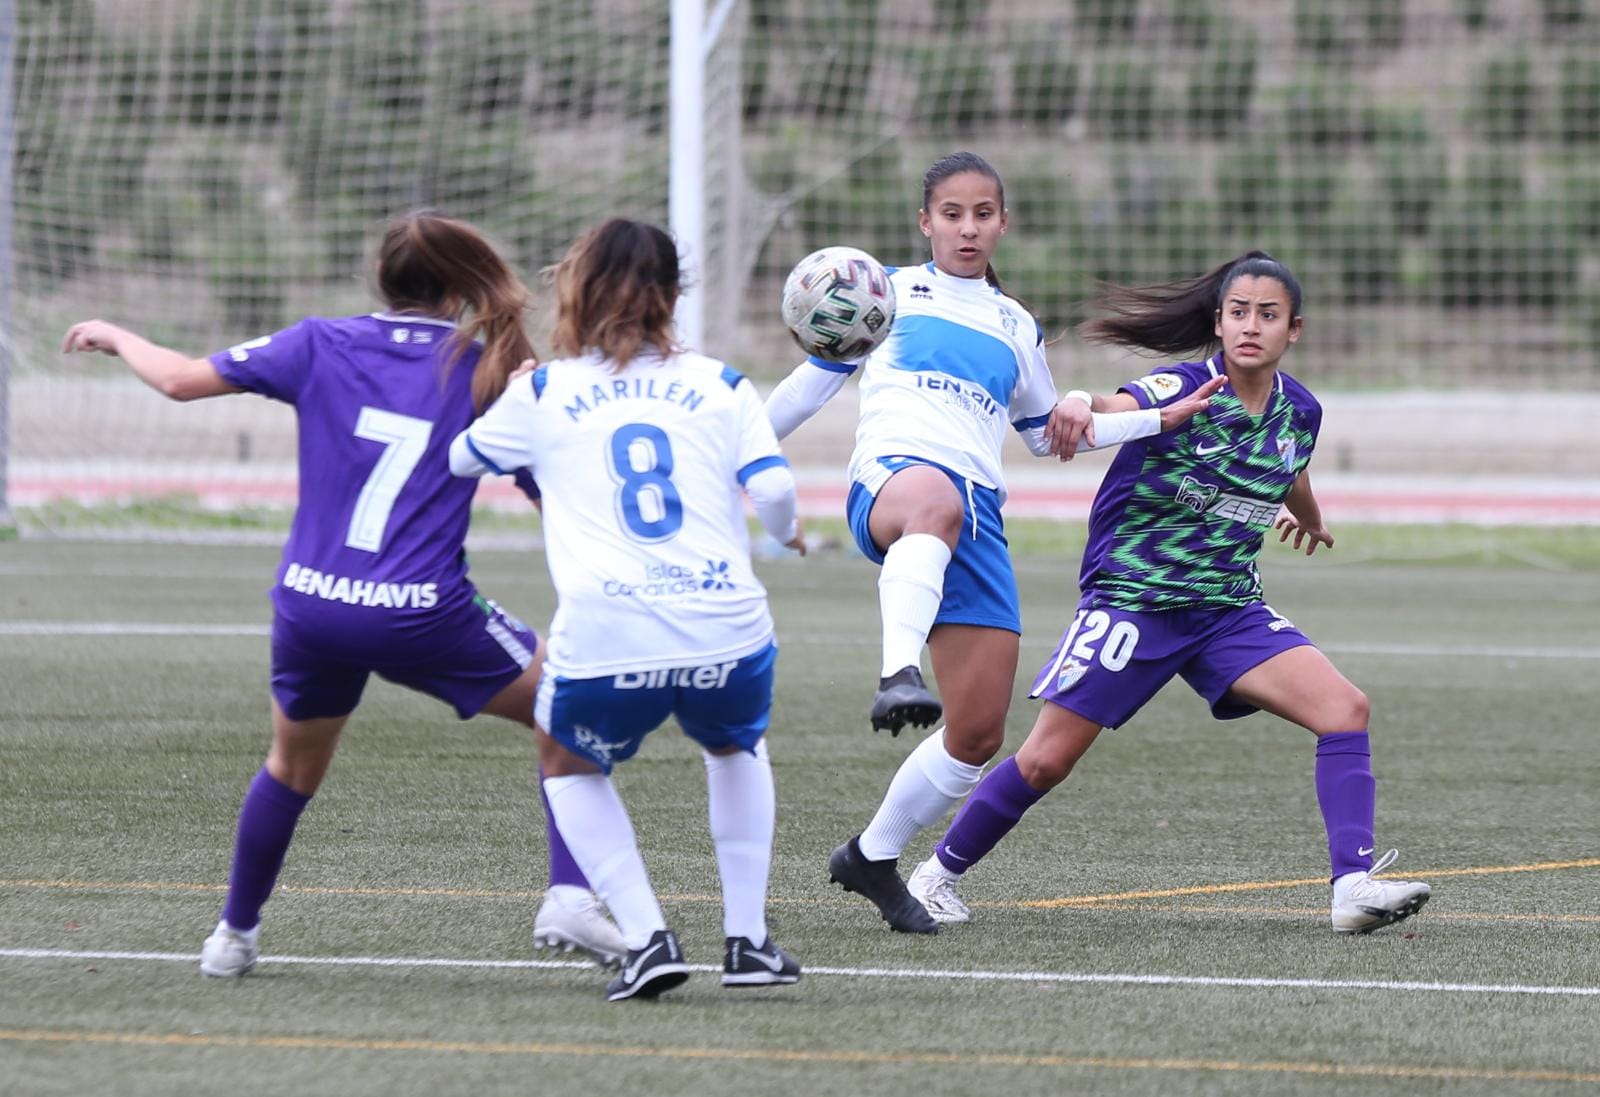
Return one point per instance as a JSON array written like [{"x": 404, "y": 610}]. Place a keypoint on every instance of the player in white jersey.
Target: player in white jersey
[
  {"x": 963, "y": 362},
  {"x": 641, "y": 449}
]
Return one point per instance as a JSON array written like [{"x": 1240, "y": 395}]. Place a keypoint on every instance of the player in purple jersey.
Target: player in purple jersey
[
  {"x": 374, "y": 576},
  {"x": 1170, "y": 585}
]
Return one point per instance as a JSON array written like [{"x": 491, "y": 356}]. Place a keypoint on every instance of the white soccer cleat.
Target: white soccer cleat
[
  {"x": 229, "y": 953},
  {"x": 572, "y": 918},
  {"x": 934, "y": 886},
  {"x": 1362, "y": 904}
]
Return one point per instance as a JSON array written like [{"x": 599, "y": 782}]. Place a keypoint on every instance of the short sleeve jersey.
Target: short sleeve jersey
[
  {"x": 644, "y": 521},
  {"x": 378, "y": 403},
  {"x": 1180, "y": 517},
  {"x": 961, "y": 363}
]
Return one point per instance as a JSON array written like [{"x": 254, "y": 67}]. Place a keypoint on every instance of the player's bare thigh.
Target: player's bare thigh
[
  {"x": 917, "y": 499},
  {"x": 1058, "y": 739},
  {"x": 1304, "y": 687},
  {"x": 976, "y": 670},
  {"x": 515, "y": 701}
]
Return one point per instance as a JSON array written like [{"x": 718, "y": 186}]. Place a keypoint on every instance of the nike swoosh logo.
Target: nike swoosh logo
[
  {"x": 1365, "y": 852},
  {"x": 772, "y": 962},
  {"x": 957, "y": 856},
  {"x": 631, "y": 972},
  {"x": 1204, "y": 451}
]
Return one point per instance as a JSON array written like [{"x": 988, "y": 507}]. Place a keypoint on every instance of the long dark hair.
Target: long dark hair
[
  {"x": 615, "y": 291},
  {"x": 1175, "y": 318},
  {"x": 956, "y": 164},
  {"x": 437, "y": 265}
]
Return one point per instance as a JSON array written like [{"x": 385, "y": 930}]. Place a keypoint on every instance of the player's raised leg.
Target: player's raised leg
[
  {"x": 917, "y": 514},
  {"x": 1303, "y": 686},
  {"x": 299, "y": 757}
]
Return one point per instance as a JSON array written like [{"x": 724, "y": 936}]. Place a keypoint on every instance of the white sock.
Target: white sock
[
  {"x": 591, "y": 818},
  {"x": 910, "y": 587},
  {"x": 928, "y": 784},
  {"x": 743, "y": 812}
]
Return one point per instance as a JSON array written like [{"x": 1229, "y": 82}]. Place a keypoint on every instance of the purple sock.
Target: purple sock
[
  {"x": 994, "y": 807},
  {"x": 266, "y": 826},
  {"x": 563, "y": 869},
  {"x": 1347, "y": 793}
]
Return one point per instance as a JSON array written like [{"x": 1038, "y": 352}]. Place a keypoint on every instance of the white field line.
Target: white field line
[
  {"x": 133, "y": 628},
  {"x": 1113, "y": 978}
]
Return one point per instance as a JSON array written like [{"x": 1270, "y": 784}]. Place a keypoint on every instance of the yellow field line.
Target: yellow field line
[
  {"x": 783, "y": 1055},
  {"x": 1089, "y": 901},
  {"x": 1270, "y": 885}
]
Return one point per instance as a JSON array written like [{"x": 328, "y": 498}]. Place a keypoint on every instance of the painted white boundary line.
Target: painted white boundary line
[
  {"x": 1116, "y": 978},
  {"x": 117, "y": 628}
]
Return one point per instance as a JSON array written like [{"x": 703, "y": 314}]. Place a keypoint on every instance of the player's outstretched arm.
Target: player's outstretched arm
[
  {"x": 1304, "y": 519},
  {"x": 174, "y": 375},
  {"x": 801, "y": 395}
]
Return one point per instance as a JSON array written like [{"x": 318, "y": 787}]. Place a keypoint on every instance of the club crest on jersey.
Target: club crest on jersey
[
  {"x": 1195, "y": 495},
  {"x": 1071, "y": 671},
  {"x": 1286, "y": 451},
  {"x": 1160, "y": 386},
  {"x": 1008, "y": 320}
]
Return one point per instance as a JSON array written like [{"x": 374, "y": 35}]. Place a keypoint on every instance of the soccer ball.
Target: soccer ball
[{"x": 839, "y": 304}]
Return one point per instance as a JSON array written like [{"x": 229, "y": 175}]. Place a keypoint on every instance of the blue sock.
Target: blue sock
[{"x": 267, "y": 820}]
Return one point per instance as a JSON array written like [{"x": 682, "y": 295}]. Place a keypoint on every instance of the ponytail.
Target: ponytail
[
  {"x": 441, "y": 266},
  {"x": 1176, "y": 318}
]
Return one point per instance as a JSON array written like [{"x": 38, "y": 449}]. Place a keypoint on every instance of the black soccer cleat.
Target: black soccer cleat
[
  {"x": 744, "y": 965},
  {"x": 903, "y": 698},
  {"x": 879, "y": 881},
  {"x": 650, "y": 970}
]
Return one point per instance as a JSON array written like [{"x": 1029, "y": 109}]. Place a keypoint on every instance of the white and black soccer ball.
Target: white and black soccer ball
[{"x": 839, "y": 303}]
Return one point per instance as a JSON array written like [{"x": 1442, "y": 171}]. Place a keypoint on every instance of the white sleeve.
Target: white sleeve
[
  {"x": 801, "y": 395},
  {"x": 499, "y": 441},
  {"x": 1032, "y": 400},
  {"x": 763, "y": 471},
  {"x": 1112, "y": 428},
  {"x": 771, "y": 491}
]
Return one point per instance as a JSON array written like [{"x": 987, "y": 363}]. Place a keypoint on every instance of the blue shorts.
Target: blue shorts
[
  {"x": 980, "y": 588},
  {"x": 1110, "y": 662},
  {"x": 718, "y": 705},
  {"x": 462, "y": 654}
]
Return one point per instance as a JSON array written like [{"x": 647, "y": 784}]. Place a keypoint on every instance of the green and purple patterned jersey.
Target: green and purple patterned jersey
[{"x": 1180, "y": 517}]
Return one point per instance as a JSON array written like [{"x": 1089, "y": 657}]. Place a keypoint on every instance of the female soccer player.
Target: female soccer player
[
  {"x": 642, "y": 448},
  {"x": 1170, "y": 585},
  {"x": 374, "y": 576},
  {"x": 963, "y": 360}
]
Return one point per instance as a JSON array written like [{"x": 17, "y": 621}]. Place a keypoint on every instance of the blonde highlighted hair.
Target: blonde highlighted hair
[
  {"x": 615, "y": 292},
  {"x": 440, "y": 266}
]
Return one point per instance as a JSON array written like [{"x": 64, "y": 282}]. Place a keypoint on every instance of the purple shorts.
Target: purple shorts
[
  {"x": 1111, "y": 661},
  {"x": 463, "y": 653}
]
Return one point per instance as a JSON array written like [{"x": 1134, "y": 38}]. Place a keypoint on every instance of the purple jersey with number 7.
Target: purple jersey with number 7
[{"x": 381, "y": 520}]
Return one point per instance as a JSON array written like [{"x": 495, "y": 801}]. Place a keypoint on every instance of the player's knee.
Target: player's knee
[
  {"x": 1044, "y": 769},
  {"x": 976, "y": 743},
  {"x": 1350, "y": 711}
]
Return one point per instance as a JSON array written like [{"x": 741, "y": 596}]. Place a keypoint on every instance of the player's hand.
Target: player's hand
[
  {"x": 1070, "y": 422},
  {"x": 1180, "y": 412},
  {"x": 798, "y": 542},
  {"x": 92, "y": 335},
  {"x": 1310, "y": 536}
]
